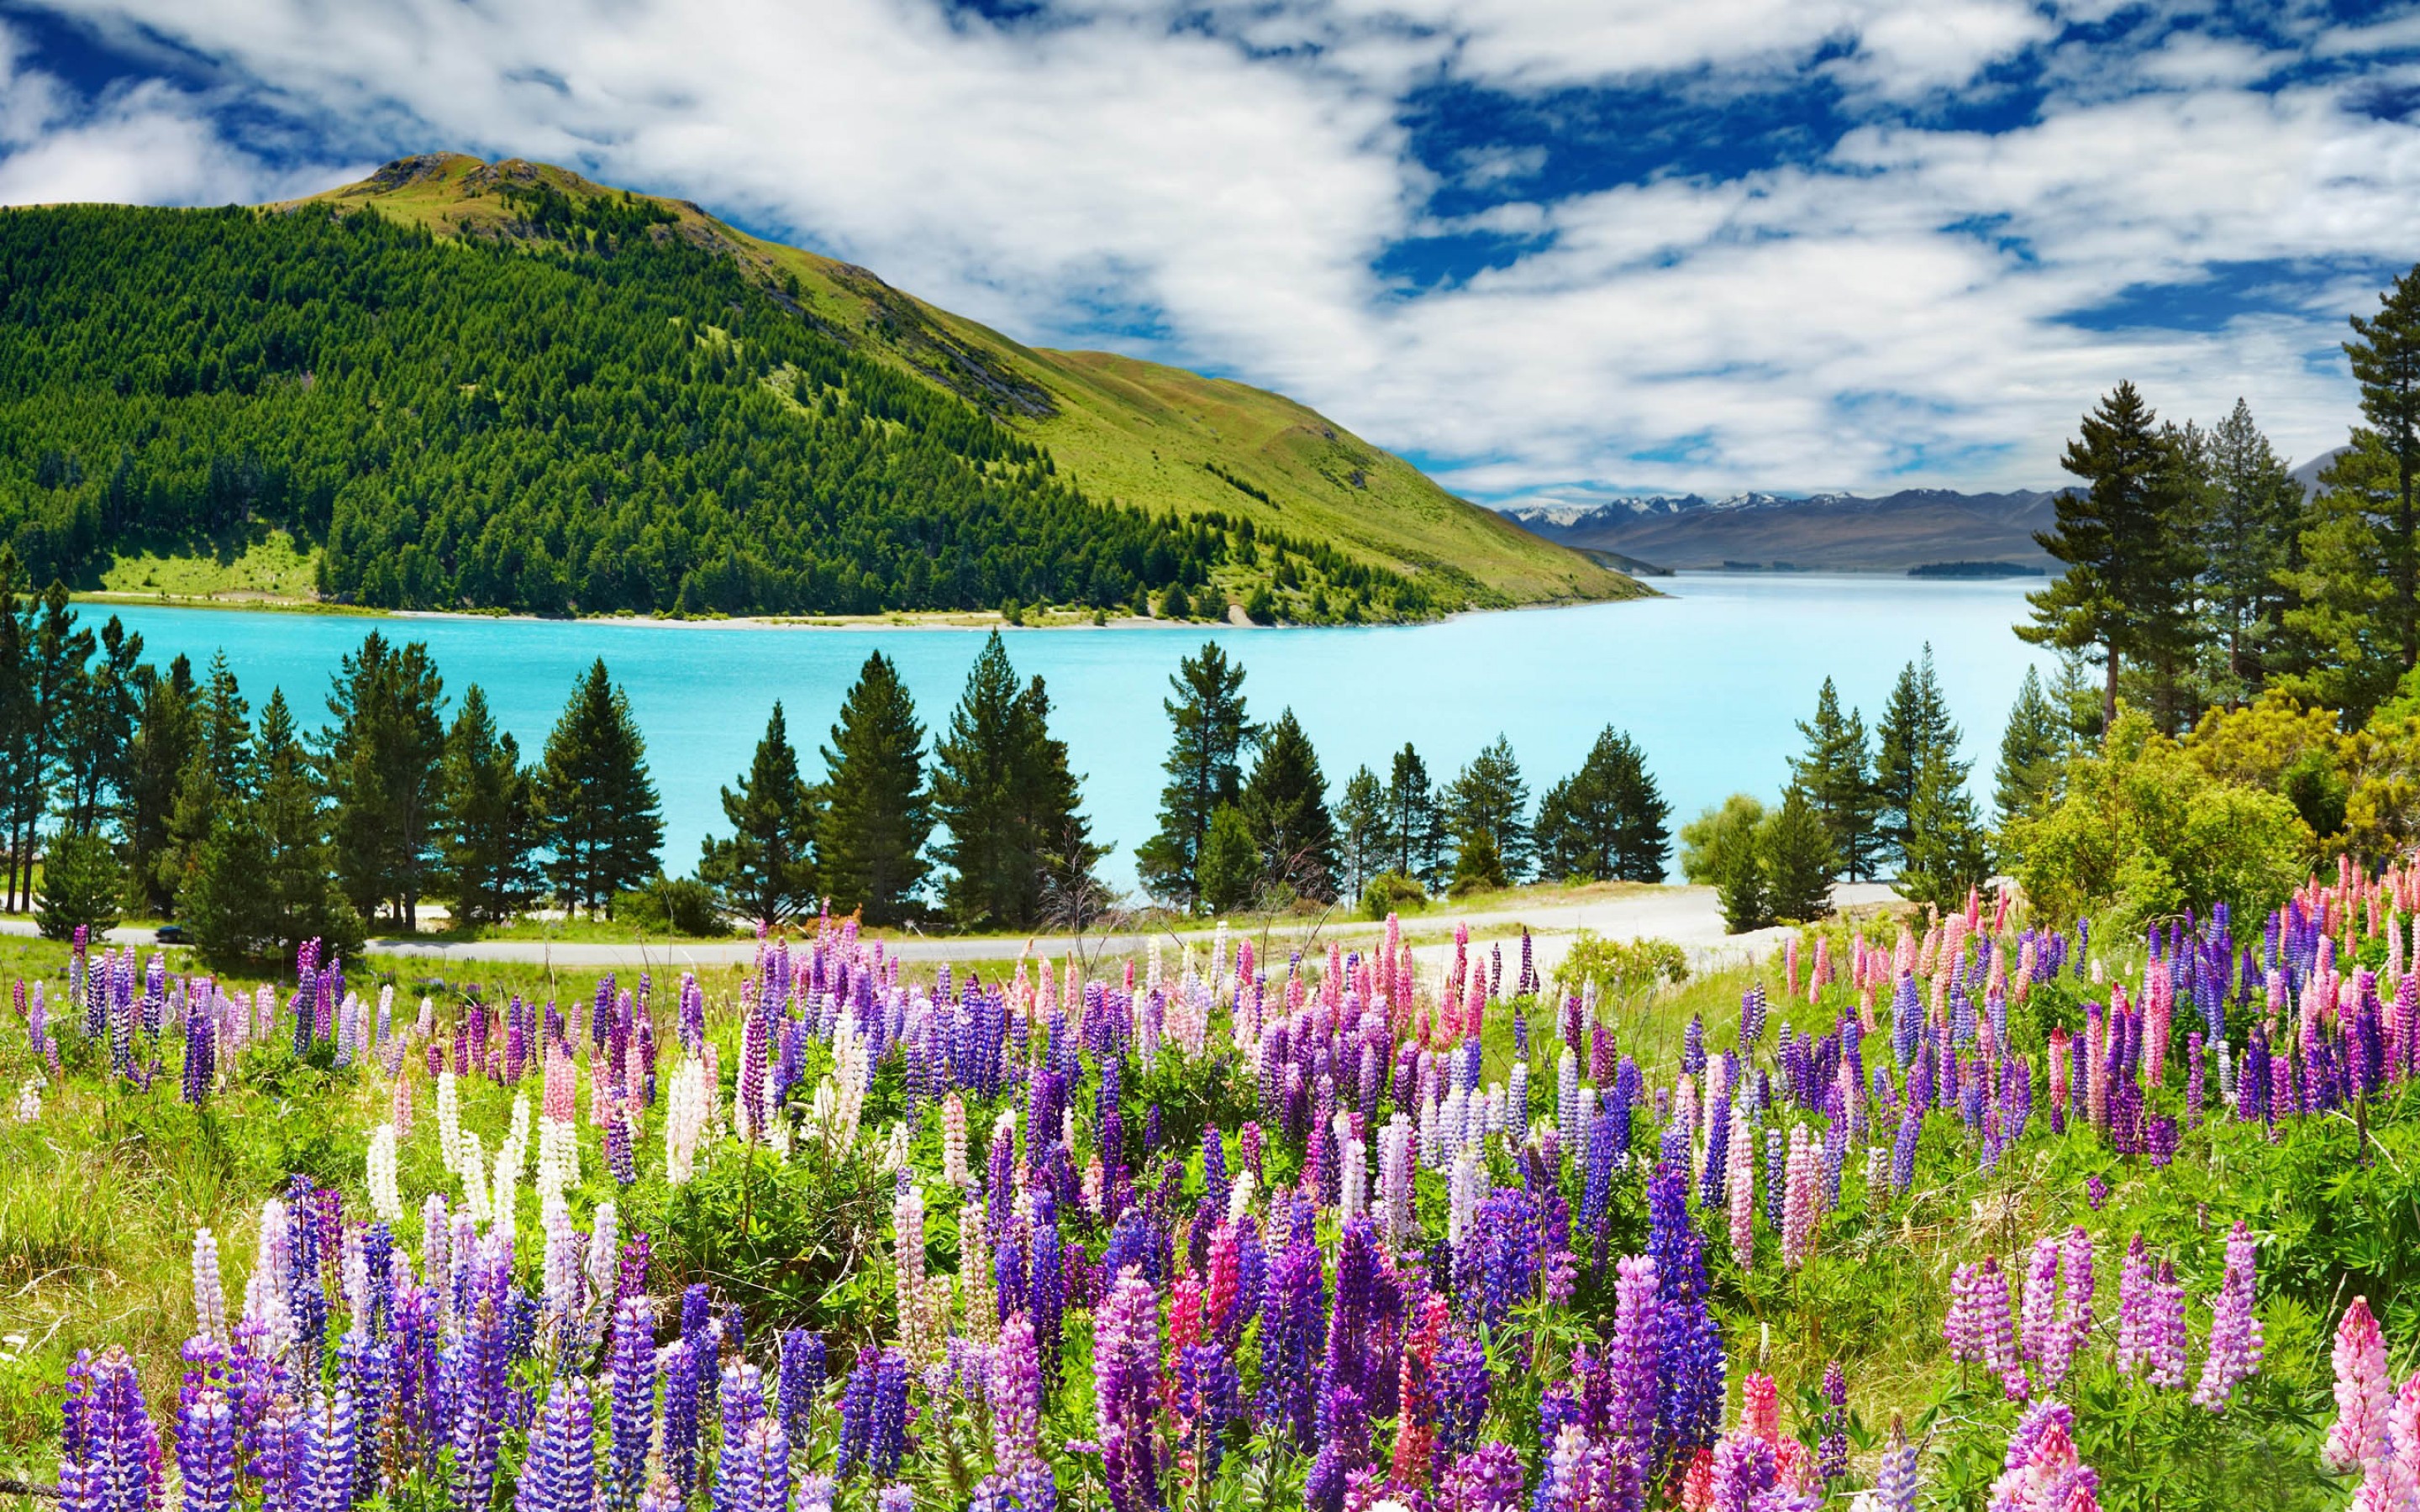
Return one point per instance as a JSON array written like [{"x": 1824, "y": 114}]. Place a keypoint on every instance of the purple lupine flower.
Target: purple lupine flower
[
  {"x": 632, "y": 1419},
  {"x": 1294, "y": 1318},
  {"x": 1895, "y": 1482},
  {"x": 857, "y": 1413},
  {"x": 2234, "y": 1331},
  {"x": 1485, "y": 1479},
  {"x": 559, "y": 1475},
  {"x": 205, "y": 1452},
  {"x": 683, "y": 1367},
  {"x": 329, "y": 1450},
  {"x": 1831, "y": 1448},
  {"x": 1012, "y": 1393},
  {"x": 887, "y": 1442},
  {"x": 1126, "y": 1359},
  {"x": 801, "y": 1383},
  {"x": 1463, "y": 1385}
]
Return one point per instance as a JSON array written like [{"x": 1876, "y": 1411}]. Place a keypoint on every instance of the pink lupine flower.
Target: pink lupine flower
[{"x": 2364, "y": 1398}]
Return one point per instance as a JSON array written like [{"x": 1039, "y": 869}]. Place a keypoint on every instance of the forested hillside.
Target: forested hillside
[{"x": 574, "y": 402}]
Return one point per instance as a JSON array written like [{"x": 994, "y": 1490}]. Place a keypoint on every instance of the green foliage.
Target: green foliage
[
  {"x": 382, "y": 767},
  {"x": 1391, "y": 892},
  {"x": 1285, "y": 806},
  {"x": 2145, "y": 830},
  {"x": 1717, "y": 832},
  {"x": 876, "y": 814},
  {"x": 597, "y": 420},
  {"x": 81, "y": 883},
  {"x": 491, "y": 836},
  {"x": 800, "y": 1237},
  {"x": 673, "y": 905},
  {"x": 1230, "y": 867},
  {"x": 1799, "y": 861},
  {"x": 1485, "y": 809},
  {"x": 1415, "y": 827},
  {"x": 262, "y": 879},
  {"x": 1364, "y": 844},
  {"x": 1016, "y": 844},
  {"x": 603, "y": 826},
  {"x": 1915, "y": 728},
  {"x": 1607, "y": 821},
  {"x": 765, "y": 871},
  {"x": 1944, "y": 854},
  {"x": 1618, "y": 968},
  {"x": 2030, "y": 749},
  {"x": 1836, "y": 771},
  {"x": 1205, "y": 769}
]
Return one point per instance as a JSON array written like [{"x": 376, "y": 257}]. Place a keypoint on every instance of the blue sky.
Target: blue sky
[{"x": 1550, "y": 248}]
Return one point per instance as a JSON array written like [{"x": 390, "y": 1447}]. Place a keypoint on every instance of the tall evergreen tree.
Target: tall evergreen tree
[
  {"x": 1232, "y": 868},
  {"x": 491, "y": 830},
  {"x": 165, "y": 734},
  {"x": 1364, "y": 847},
  {"x": 383, "y": 763},
  {"x": 2248, "y": 541},
  {"x": 1915, "y": 727},
  {"x": 1285, "y": 806},
  {"x": 1205, "y": 769},
  {"x": 2125, "y": 594},
  {"x": 1488, "y": 804},
  {"x": 1946, "y": 857},
  {"x": 1837, "y": 775},
  {"x": 766, "y": 871},
  {"x": 216, "y": 775},
  {"x": 602, "y": 823},
  {"x": 1607, "y": 821},
  {"x": 2385, "y": 354},
  {"x": 101, "y": 733},
  {"x": 55, "y": 654},
  {"x": 1006, "y": 801},
  {"x": 2030, "y": 749},
  {"x": 263, "y": 881},
  {"x": 876, "y": 815},
  {"x": 2344, "y": 614},
  {"x": 1415, "y": 825},
  {"x": 1799, "y": 860}
]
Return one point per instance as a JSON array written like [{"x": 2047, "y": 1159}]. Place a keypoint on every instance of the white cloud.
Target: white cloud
[{"x": 1234, "y": 179}]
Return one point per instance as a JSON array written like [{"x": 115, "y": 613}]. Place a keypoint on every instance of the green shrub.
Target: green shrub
[
  {"x": 672, "y": 905},
  {"x": 1616, "y": 968},
  {"x": 82, "y": 883},
  {"x": 1391, "y": 892}
]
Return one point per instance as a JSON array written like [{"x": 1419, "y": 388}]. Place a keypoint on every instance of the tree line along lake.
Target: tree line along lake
[{"x": 1709, "y": 680}]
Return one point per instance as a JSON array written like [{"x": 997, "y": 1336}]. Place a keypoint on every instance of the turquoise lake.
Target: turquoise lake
[{"x": 1708, "y": 679}]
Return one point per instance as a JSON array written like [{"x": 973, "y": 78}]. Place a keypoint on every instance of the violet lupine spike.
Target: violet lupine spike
[
  {"x": 632, "y": 1415},
  {"x": 2235, "y": 1342},
  {"x": 1831, "y": 1448}
]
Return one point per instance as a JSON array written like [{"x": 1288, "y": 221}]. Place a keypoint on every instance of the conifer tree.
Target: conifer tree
[
  {"x": 1285, "y": 806},
  {"x": 100, "y": 728},
  {"x": 1946, "y": 855},
  {"x": 214, "y": 775},
  {"x": 54, "y": 656},
  {"x": 381, "y": 762},
  {"x": 491, "y": 830},
  {"x": 263, "y": 881},
  {"x": 1837, "y": 775},
  {"x": 2385, "y": 354},
  {"x": 2255, "y": 509},
  {"x": 1607, "y": 821},
  {"x": 2344, "y": 612},
  {"x": 2030, "y": 749},
  {"x": 1415, "y": 828},
  {"x": 1364, "y": 845},
  {"x": 765, "y": 873},
  {"x": 82, "y": 885},
  {"x": 1205, "y": 769},
  {"x": 1915, "y": 727},
  {"x": 2127, "y": 542},
  {"x": 1232, "y": 865},
  {"x": 1006, "y": 802},
  {"x": 1799, "y": 860},
  {"x": 1488, "y": 802},
  {"x": 602, "y": 824},
  {"x": 165, "y": 733},
  {"x": 877, "y": 816}
]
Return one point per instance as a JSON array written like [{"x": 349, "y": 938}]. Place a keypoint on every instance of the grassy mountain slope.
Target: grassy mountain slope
[{"x": 1135, "y": 432}]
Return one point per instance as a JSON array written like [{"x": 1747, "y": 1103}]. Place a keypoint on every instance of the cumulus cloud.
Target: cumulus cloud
[{"x": 1219, "y": 185}]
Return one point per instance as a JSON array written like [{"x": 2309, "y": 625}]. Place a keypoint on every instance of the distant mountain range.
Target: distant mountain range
[{"x": 1830, "y": 532}]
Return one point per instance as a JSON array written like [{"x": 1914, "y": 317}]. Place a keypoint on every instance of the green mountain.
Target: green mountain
[{"x": 458, "y": 384}]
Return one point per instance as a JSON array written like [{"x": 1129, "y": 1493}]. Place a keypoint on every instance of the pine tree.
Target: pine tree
[
  {"x": 1837, "y": 773},
  {"x": 100, "y": 733},
  {"x": 1007, "y": 803},
  {"x": 1607, "y": 821},
  {"x": 82, "y": 884},
  {"x": 1799, "y": 860},
  {"x": 1205, "y": 769},
  {"x": 381, "y": 762},
  {"x": 165, "y": 733},
  {"x": 764, "y": 872},
  {"x": 2344, "y": 614},
  {"x": 1946, "y": 858},
  {"x": 1364, "y": 846},
  {"x": 1285, "y": 806},
  {"x": 1915, "y": 728},
  {"x": 216, "y": 775},
  {"x": 2385, "y": 356},
  {"x": 55, "y": 654},
  {"x": 1478, "y": 863},
  {"x": 1232, "y": 865},
  {"x": 262, "y": 880},
  {"x": 1415, "y": 828},
  {"x": 2248, "y": 540},
  {"x": 491, "y": 829},
  {"x": 1737, "y": 870},
  {"x": 2030, "y": 749},
  {"x": 1488, "y": 798},
  {"x": 2127, "y": 542},
  {"x": 870, "y": 842},
  {"x": 602, "y": 823}
]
